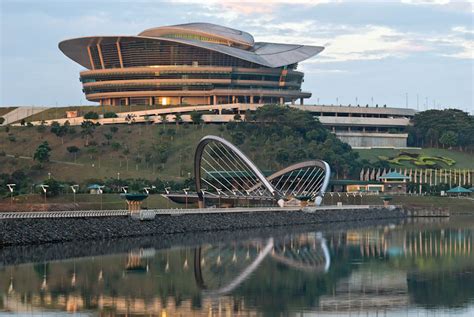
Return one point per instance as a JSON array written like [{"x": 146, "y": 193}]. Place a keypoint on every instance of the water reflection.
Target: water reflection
[{"x": 389, "y": 269}]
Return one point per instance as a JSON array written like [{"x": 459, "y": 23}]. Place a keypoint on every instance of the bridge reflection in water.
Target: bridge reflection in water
[{"x": 390, "y": 268}]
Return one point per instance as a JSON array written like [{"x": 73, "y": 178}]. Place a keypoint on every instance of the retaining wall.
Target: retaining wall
[{"x": 35, "y": 231}]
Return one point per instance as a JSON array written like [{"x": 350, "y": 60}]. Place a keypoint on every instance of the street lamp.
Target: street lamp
[
  {"x": 101, "y": 191},
  {"x": 185, "y": 190},
  {"x": 45, "y": 189},
  {"x": 118, "y": 175},
  {"x": 167, "y": 190},
  {"x": 219, "y": 191},
  {"x": 235, "y": 197},
  {"x": 11, "y": 187},
  {"x": 147, "y": 189},
  {"x": 74, "y": 188},
  {"x": 203, "y": 198}
]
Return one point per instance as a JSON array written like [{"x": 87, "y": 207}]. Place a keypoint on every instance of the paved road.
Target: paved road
[{"x": 20, "y": 113}]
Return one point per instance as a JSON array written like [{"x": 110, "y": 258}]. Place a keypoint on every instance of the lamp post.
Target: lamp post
[
  {"x": 101, "y": 191},
  {"x": 185, "y": 190},
  {"x": 167, "y": 190},
  {"x": 118, "y": 176},
  {"x": 45, "y": 189},
  {"x": 74, "y": 188},
  {"x": 49, "y": 175},
  {"x": 203, "y": 198},
  {"x": 147, "y": 191},
  {"x": 219, "y": 191},
  {"x": 235, "y": 197},
  {"x": 11, "y": 187}
]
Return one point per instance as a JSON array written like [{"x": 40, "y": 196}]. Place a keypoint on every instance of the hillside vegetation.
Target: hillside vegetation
[{"x": 274, "y": 137}]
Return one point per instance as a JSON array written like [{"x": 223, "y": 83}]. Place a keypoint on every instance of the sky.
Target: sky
[{"x": 418, "y": 53}]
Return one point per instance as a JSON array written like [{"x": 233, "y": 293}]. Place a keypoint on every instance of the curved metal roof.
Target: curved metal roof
[
  {"x": 262, "y": 53},
  {"x": 209, "y": 29}
]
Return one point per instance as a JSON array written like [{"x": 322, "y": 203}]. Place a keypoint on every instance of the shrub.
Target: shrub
[
  {"x": 110, "y": 115},
  {"x": 91, "y": 115}
]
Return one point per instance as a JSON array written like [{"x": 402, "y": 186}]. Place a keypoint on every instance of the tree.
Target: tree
[
  {"x": 110, "y": 114},
  {"x": 91, "y": 115},
  {"x": 58, "y": 130},
  {"x": 113, "y": 129},
  {"x": 54, "y": 187},
  {"x": 42, "y": 153},
  {"x": 196, "y": 117},
  {"x": 178, "y": 119},
  {"x": 73, "y": 150},
  {"x": 449, "y": 138},
  {"x": 87, "y": 131},
  {"x": 237, "y": 117},
  {"x": 2, "y": 120},
  {"x": 108, "y": 137}
]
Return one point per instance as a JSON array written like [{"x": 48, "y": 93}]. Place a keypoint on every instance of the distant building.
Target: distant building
[
  {"x": 365, "y": 126},
  {"x": 394, "y": 183}
]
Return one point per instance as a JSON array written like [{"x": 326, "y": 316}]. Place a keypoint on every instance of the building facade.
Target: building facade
[
  {"x": 195, "y": 64},
  {"x": 365, "y": 127}
]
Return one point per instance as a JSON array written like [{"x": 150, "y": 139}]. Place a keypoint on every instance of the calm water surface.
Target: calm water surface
[{"x": 420, "y": 268}]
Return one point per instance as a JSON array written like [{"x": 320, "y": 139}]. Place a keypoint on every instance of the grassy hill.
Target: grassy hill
[
  {"x": 134, "y": 152},
  {"x": 462, "y": 159},
  {"x": 131, "y": 151}
]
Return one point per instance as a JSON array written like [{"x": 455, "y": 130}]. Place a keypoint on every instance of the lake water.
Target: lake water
[{"x": 419, "y": 268}]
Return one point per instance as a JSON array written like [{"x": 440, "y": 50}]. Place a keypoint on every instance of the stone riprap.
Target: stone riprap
[{"x": 35, "y": 231}]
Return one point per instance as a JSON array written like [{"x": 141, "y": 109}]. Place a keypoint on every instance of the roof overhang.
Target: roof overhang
[{"x": 266, "y": 54}]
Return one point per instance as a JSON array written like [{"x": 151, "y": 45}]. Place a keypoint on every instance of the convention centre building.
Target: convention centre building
[{"x": 188, "y": 64}]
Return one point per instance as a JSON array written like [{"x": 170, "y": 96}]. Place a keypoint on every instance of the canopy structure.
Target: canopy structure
[
  {"x": 207, "y": 36},
  {"x": 459, "y": 190}
]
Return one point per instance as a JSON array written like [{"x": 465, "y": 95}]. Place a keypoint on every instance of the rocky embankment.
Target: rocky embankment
[{"x": 36, "y": 231}]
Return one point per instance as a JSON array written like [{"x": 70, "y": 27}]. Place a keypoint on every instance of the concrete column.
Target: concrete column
[
  {"x": 251, "y": 99},
  {"x": 281, "y": 101},
  {"x": 260, "y": 100},
  {"x": 301, "y": 101},
  {"x": 214, "y": 100},
  {"x": 150, "y": 101},
  {"x": 127, "y": 101},
  {"x": 208, "y": 100},
  {"x": 292, "y": 101},
  {"x": 233, "y": 99}
]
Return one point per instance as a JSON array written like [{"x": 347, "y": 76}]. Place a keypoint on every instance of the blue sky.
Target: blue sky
[{"x": 379, "y": 50}]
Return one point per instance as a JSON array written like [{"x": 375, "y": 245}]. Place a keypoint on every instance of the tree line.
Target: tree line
[{"x": 448, "y": 128}]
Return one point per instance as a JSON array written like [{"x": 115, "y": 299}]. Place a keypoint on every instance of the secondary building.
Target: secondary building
[{"x": 194, "y": 63}]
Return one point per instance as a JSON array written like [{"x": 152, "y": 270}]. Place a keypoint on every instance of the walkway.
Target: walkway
[
  {"x": 21, "y": 113},
  {"x": 170, "y": 212}
]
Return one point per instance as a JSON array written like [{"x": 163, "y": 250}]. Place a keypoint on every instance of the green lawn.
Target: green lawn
[{"x": 463, "y": 159}]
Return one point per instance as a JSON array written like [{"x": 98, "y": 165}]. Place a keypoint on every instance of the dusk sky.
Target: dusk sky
[{"x": 381, "y": 50}]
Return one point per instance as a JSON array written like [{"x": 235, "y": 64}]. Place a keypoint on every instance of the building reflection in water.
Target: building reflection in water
[{"x": 367, "y": 270}]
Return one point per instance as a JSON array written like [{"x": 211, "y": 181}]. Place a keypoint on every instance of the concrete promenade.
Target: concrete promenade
[
  {"x": 170, "y": 212},
  {"x": 45, "y": 227}
]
